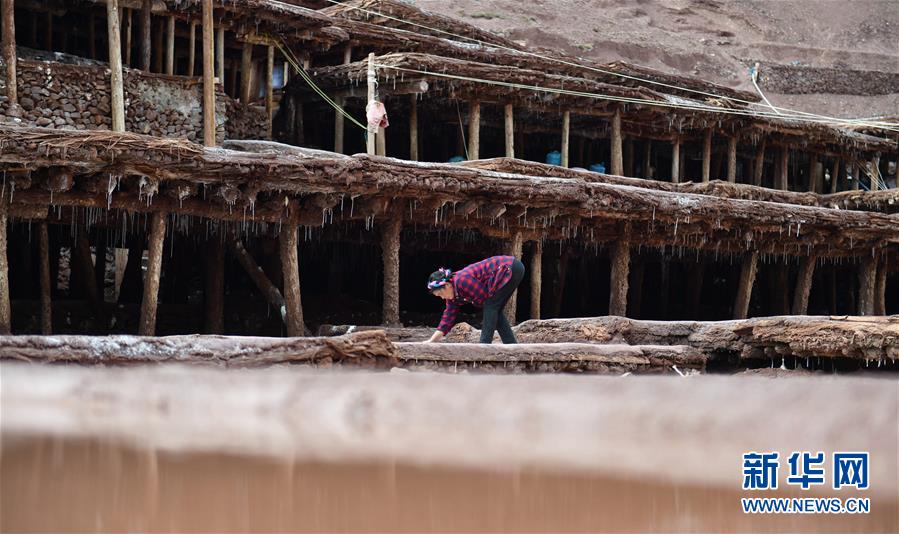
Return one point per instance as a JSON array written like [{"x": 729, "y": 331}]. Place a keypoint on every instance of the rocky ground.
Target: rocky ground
[{"x": 710, "y": 39}]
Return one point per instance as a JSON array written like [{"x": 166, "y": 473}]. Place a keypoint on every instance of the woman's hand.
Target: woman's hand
[{"x": 436, "y": 336}]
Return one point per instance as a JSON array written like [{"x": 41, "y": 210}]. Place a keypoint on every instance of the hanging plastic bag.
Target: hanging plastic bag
[{"x": 376, "y": 114}]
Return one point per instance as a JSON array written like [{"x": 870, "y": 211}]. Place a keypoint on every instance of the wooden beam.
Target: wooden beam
[
  {"x": 566, "y": 127},
  {"x": 813, "y": 175},
  {"x": 220, "y": 54},
  {"x": 759, "y": 168},
  {"x": 170, "y": 46},
  {"x": 148, "y": 305},
  {"x": 46, "y": 306},
  {"x": 9, "y": 56},
  {"x": 246, "y": 72},
  {"x": 192, "y": 49},
  {"x": 804, "y": 284},
  {"x": 617, "y": 160},
  {"x": 744, "y": 290},
  {"x": 474, "y": 130},
  {"x": 509, "y": 117},
  {"x": 647, "y": 160},
  {"x": 208, "y": 76},
  {"x": 706, "y": 155},
  {"x": 214, "y": 286},
  {"x": 621, "y": 259},
  {"x": 867, "y": 280},
  {"x": 783, "y": 169},
  {"x": 287, "y": 242},
  {"x": 536, "y": 279},
  {"x": 269, "y": 89},
  {"x": 371, "y": 82},
  {"x": 675, "y": 161},
  {"x": 880, "y": 289},
  {"x": 5, "y": 313},
  {"x": 381, "y": 142},
  {"x": 390, "y": 254},
  {"x": 515, "y": 249},
  {"x": 338, "y": 126},
  {"x": 413, "y": 127},
  {"x": 81, "y": 255},
  {"x": 732, "y": 159},
  {"x": 265, "y": 286},
  {"x": 115, "y": 66}
]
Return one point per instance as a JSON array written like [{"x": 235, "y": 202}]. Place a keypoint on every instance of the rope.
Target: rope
[
  {"x": 877, "y": 124},
  {"x": 291, "y": 58},
  {"x": 754, "y": 76},
  {"x": 462, "y": 131}
]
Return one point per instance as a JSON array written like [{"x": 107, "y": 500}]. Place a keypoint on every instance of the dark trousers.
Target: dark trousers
[{"x": 494, "y": 318}]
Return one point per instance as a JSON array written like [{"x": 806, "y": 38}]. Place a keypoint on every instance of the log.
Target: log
[
  {"x": 474, "y": 130},
  {"x": 214, "y": 287},
  {"x": 82, "y": 255},
  {"x": 706, "y": 156},
  {"x": 5, "y": 312},
  {"x": 867, "y": 277},
  {"x": 269, "y": 89},
  {"x": 617, "y": 162},
  {"x": 732, "y": 159},
  {"x": 628, "y": 157},
  {"x": 804, "y": 284},
  {"x": 265, "y": 286},
  {"x": 381, "y": 142},
  {"x": 363, "y": 348},
  {"x": 148, "y": 305},
  {"x": 220, "y": 55},
  {"x": 880, "y": 289},
  {"x": 549, "y": 357},
  {"x": 509, "y": 121},
  {"x": 115, "y": 66},
  {"x": 390, "y": 251},
  {"x": 747, "y": 280},
  {"x": 338, "y": 126},
  {"x": 9, "y": 55},
  {"x": 566, "y": 127},
  {"x": 46, "y": 306},
  {"x": 413, "y": 127},
  {"x": 536, "y": 279},
  {"x": 290, "y": 268},
  {"x": 783, "y": 169},
  {"x": 621, "y": 258},
  {"x": 835, "y": 176},
  {"x": 516, "y": 246},
  {"x": 246, "y": 72},
  {"x": 759, "y": 168},
  {"x": 647, "y": 160},
  {"x": 675, "y": 161},
  {"x": 208, "y": 76}
]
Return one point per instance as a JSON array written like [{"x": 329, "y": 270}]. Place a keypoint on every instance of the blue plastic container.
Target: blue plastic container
[
  {"x": 456, "y": 159},
  {"x": 598, "y": 167},
  {"x": 554, "y": 158}
]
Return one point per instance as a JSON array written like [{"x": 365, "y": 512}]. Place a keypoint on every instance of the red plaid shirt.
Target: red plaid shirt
[{"x": 475, "y": 284}]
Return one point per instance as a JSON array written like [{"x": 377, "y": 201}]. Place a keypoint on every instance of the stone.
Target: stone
[
  {"x": 26, "y": 103},
  {"x": 43, "y": 121}
]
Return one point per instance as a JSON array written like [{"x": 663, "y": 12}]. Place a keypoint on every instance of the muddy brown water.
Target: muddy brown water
[{"x": 86, "y": 485}]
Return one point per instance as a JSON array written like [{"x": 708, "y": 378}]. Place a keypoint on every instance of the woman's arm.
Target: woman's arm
[{"x": 436, "y": 336}]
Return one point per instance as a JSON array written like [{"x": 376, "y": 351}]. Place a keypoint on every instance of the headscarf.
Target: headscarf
[{"x": 439, "y": 278}]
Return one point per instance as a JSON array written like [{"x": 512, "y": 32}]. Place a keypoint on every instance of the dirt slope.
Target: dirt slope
[{"x": 712, "y": 39}]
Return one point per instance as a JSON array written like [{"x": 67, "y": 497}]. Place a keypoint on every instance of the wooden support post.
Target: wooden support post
[
  {"x": 208, "y": 76},
  {"x": 856, "y": 175},
  {"x": 621, "y": 260},
  {"x": 220, "y": 54},
  {"x": 128, "y": 26},
  {"x": 867, "y": 280},
  {"x": 759, "y": 163},
  {"x": 287, "y": 241},
  {"x": 617, "y": 160},
  {"x": 269, "y": 89},
  {"x": 170, "y": 46},
  {"x": 880, "y": 289},
  {"x": 675, "y": 160},
  {"x": 566, "y": 127},
  {"x": 146, "y": 30},
  {"x": 192, "y": 49},
  {"x": 265, "y": 286},
  {"x": 647, "y": 159},
  {"x": 246, "y": 72},
  {"x": 783, "y": 169},
  {"x": 835, "y": 175},
  {"x": 515, "y": 249},
  {"x": 813, "y": 173},
  {"x": 413, "y": 127},
  {"x": 509, "y": 116},
  {"x": 706, "y": 156},
  {"x": 744, "y": 290},
  {"x": 371, "y": 82},
  {"x": 390, "y": 252},
  {"x": 381, "y": 142},
  {"x": 338, "y": 126},
  {"x": 732, "y": 159},
  {"x": 474, "y": 129},
  {"x": 214, "y": 287},
  {"x": 115, "y": 66},
  {"x": 9, "y": 56},
  {"x": 804, "y": 284},
  {"x": 46, "y": 306},
  {"x": 148, "y": 305},
  {"x": 536, "y": 279},
  {"x": 88, "y": 277},
  {"x": 5, "y": 313},
  {"x": 158, "y": 54}
]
